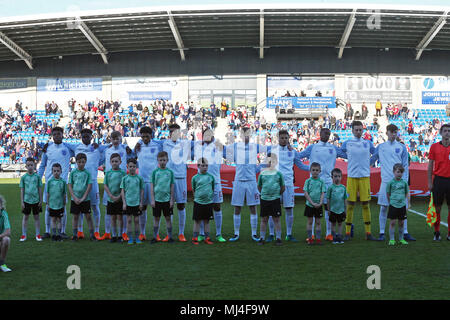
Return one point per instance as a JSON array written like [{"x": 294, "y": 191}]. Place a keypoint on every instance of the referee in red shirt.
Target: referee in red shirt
[{"x": 439, "y": 166}]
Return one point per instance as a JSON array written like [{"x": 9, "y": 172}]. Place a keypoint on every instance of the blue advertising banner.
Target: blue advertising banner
[
  {"x": 435, "y": 97},
  {"x": 301, "y": 102},
  {"x": 149, "y": 95},
  {"x": 6, "y": 84},
  {"x": 70, "y": 84}
]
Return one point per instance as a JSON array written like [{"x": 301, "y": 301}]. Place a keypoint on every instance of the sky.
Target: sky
[{"x": 11, "y": 8}]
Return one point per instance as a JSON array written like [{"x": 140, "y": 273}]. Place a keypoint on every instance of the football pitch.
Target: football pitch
[{"x": 226, "y": 271}]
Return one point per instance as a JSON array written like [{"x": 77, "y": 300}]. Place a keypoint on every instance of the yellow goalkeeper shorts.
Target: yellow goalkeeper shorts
[{"x": 358, "y": 185}]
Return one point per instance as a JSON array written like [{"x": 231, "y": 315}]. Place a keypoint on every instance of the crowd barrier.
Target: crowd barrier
[{"x": 417, "y": 172}]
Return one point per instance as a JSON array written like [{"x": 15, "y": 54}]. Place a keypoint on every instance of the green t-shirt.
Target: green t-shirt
[
  {"x": 336, "y": 195},
  {"x": 56, "y": 193},
  {"x": 31, "y": 184},
  {"x": 203, "y": 186},
  {"x": 4, "y": 221},
  {"x": 315, "y": 188},
  {"x": 132, "y": 186},
  {"x": 80, "y": 180},
  {"x": 162, "y": 179},
  {"x": 113, "y": 179},
  {"x": 397, "y": 190},
  {"x": 270, "y": 182}
]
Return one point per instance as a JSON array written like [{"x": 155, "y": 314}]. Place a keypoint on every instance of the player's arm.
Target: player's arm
[
  {"x": 152, "y": 195},
  {"x": 298, "y": 162},
  {"x": 340, "y": 153},
  {"x": 388, "y": 192},
  {"x": 372, "y": 148},
  {"x": 328, "y": 199},
  {"x": 40, "y": 194},
  {"x": 141, "y": 201},
  {"x": 43, "y": 165},
  {"x": 375, "y": 156},
  {"x": 172, "y": 193},
  {"x": 405, "y": 162},
  {"x": 408, "y": 196},
  {"x": 430, "y": 174},
  {"x": 304, "y": 154}
]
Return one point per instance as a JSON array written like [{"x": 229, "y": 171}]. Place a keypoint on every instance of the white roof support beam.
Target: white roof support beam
[
  {"x": 176, "y": 35},
  {"x": 14, "y": 47},
  {"x": 348, "y": 29},
  {"x": 431, "y": 34},
  {"x": 92, "y": 39},
  {"x": 261, "y": 35}
]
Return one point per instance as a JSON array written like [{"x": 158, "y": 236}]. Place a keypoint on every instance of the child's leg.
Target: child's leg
[
  {"x": 24, "y": 224},
  {"x": 206, "y": 225},
  {"x": 196, "y": 228},
  {"x": 124, "y": 224},
  {"x": 119, "y": 225},
  {"x": 392, "y": 229},
  {"x": 113, "y": 224},
  {"x": 155, "y": 226},
  {"x": 58, "y": 226},
  {"x": 340, "y": 229},
  {"x": 37, "y": 224},
  {"x": 271, "y": 226},
  {"x": 309, "y": 226},
  {"x": 318, "y": 229},
  {"x": 277, "y": 222},
  {"x": 137, "y": 226},
  {"x": 90, "y": 224},
  {"x": 401, "y": 229},
  {"x": 169, "y": 225},
  {"x": 53, "y": 225},
  {"x": 262, "y": 227},
  {"x": 333, "y": 229},
  {"x": 75, "y": 225},
  {"x": 130, "y": 225}
]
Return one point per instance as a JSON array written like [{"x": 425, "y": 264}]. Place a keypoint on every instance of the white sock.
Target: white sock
[
  {"x": 254, "y": 223},
  {"x": 143, "y": 222},
  {"x": 24, "y": 227},
  {"x": 218, "y": 221},
  {"x": 64, "y": 221},
  {"x": 107, "y": 223},
  {"x": 237, "y": 223},
  {"x": 80, "y": 222},
  {"x": 314, "y": 222},
  {"x": 202, "y": 229},
  {"x": 327, "y": 222},
  {"x": 278, "y": 232},
  {"x": 125, "y": 224},
  {"x": 289, "y": 220},
  {"x": 383, "y": 218},
  {"x": 405, "y": 226},
  {"x": 47, "y": 221},
  {"x": 96, "y": 213},
  {"x": 271, "y": 226},
  {"x": 181, "y": 221}
]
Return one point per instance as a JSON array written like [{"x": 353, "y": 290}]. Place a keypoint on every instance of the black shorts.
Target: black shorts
[
  {"x": 164, "y": 207},
  {"x": 270, "y": 208},
  {"x": 335, "y": 217},
  {"x": 114, "y": 208},
  {"x": 397, "y": 213},
  {"x": 313, "y": 212},
  {"x": 57, "y": 213},
  {"x": 202, "y": 211},
  {"x": 133, "y": 211},
  {"x": 441, "y": 190},
  {"x": 84, "y": 207},
  {"x": 31, "y": 207}
]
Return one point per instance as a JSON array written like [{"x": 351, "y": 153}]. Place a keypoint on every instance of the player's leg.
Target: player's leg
[
  {"x": 94, "y": 198},
  {"x": 406, "y": 235},
  {"x": 75, "y": 222},
  {"x": 262, "y": 228},
  {"x": 113, "y": 229},
  {"x": 47, "y": 219},
  {"x": 277, "y": 223},
  {"x": 64, "y": 223},
  {"x": 80, "y": 226},
  {"x": 130, "y": 226},
  {"x": 53, "y": 228},
  {"x": 181, "y": 199},
  {"x": 168, "y": 213},
  {"x": 309, "y": 226},
  {"x": 143, "y": 216},
  {"x": 352, "y": 189},
  {"x": 137, "y": 227},
  {"x": 207, "y": 237},
  {"x": 108, "y": 218},
  {"x": 91, "y": 227},
  {"x": 252, "y": 197},
  {"x": 271, "y": 230},
  {"x": 58, "y": 227},
  {"x": 254, "y": 222},
  {"x": 364, "y": 195},
  {"x": 288, "y": 199},
  {"x": 438, "y": 200},
  {"x": 384, "y": 205},
  {"x": 195, "y": 230},
  {"x": 237, "y": 201},
  {"x": 37, "y": 223},
  {"x": 217, "y": 200},
  {"x": 156, "y": 218},
  {"x": 329, "y": 236},
  {"x": 318, "y": 225}
]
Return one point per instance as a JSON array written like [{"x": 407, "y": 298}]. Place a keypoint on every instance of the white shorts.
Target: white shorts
[
  {"x": 288, "y": 197},
  {"x": 147, "y": 195},
  {"x": 325, "y": 200},
  {"x": 245, "y": 191},
  {"x": 218, "y": 195},
  {"x": 180, "y": 190},
  {"x": 94, "y": 195}
]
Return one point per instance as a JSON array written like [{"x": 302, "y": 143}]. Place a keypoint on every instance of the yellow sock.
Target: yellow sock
[
  {"x": 349, "y": 219},
  {"x": 366, "y": 217}
]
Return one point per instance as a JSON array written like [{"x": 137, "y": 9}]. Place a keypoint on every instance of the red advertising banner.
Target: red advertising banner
[{"x": 417, "y": 173}]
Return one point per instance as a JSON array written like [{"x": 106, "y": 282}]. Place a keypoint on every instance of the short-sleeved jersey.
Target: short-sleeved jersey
[
  {"x": 4, "y": 221},
  {"x": 56, "y": 153},
  {"x": 56, "y": 193},
  {"x": 203, "y": 187},
  {"x": 286, "y": 160},
  {"x": 245, "y": 156},
  {"x": 315, "y": 188},
  {"x": 397, "y": 190},
  {"x": 441, "y": 157},
  {"x": 80, "y": 180},
  {"x": 390, "y": 153},
  {"x": 179, "y": 153},
  {"x": 31, "y": 183},
  {"x": 132, "y": 186},
  {"x": 336, "y": 195},
  {"x": 162, "y": 179},
  {"x": 113, "y": 179},
  {"x": 358, "y": 154},
  {"x": 122, "y": 151},
  {"x": 147, "y": 158},
  {"x": 325, "y": 154},
  {"x": 212, "y": 155},
  {"x": 270, "y": 182}
]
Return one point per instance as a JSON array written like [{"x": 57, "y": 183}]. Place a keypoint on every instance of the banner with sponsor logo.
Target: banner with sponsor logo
[
  {"x": 418, "y": 183},
  {"x": 387, "y": 89},
  {"x": 435, "y": 90},
  {"x": 300, "y": 92},
  {"x": 7, "y": 84},
  {"x": 133, "y": 90},
  {"x": 69, "y": 84},
  {"x": 149, "y": 95}
]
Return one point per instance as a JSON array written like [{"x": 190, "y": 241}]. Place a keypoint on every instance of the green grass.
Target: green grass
[{"x": 240, "y": 270}]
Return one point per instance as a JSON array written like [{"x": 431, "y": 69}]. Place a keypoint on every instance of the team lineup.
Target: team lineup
[{"x": 154, "y": 176}]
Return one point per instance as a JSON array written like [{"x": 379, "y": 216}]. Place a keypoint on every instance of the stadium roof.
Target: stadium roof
[{"x": 262, "y": 27}]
